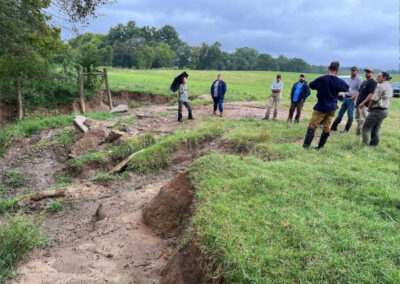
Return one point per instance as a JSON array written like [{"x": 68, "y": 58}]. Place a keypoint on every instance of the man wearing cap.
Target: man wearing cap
[
  {"x": 378, "y": 110},
  {"x": 328, "y": 87},
  {"x": 298, "y": 96},
  {"x": 275, "y": 98},
  {"x": 365, "y": 93},
  {"x": 349, "y": 101}
]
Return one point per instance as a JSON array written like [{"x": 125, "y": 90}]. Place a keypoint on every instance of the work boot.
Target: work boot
[
  {"x": 220, "y": 114},
  {"x": 335, "y": 124},
  {"x": 347, "y": 127},
  {"x": 275, "y": 114},
  {"x": 322, "y": 140},
  {"x": 190, "y": 116},
  {"x": 179, "y": 117},
  {"x": 309, "y": 137}
]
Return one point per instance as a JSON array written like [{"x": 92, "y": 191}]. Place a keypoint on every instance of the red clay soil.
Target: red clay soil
[{"x": 170, "y": 206}]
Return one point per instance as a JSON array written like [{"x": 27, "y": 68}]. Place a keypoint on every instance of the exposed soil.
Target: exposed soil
[
  {"x": 101, "y": 235},
  {"x": 127, "y": 96}
]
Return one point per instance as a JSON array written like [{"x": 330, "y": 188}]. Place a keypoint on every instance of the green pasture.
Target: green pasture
[{"x": 251, "y": 85}]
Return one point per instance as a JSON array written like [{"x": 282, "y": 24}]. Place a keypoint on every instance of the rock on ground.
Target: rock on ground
[{"x": 119, "y": 108}]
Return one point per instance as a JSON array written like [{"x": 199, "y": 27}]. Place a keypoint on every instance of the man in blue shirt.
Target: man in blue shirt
[
  {"x": 328, "y": 87},
  {"x": 348, "y": 101},
  {"x": 298, "y": 96}
]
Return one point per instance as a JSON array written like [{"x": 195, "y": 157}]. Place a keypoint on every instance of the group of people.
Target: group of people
[{"x": 369, "y": 98}]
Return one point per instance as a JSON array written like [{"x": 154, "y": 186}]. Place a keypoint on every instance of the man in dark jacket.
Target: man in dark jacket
[
  {"x": 218, "y": 90},
  {"x": 328, "y": 87},
  {"x": 298, "y": 96}
]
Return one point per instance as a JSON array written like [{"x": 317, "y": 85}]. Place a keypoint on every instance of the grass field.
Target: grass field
[{"x": 252, "y": 85}]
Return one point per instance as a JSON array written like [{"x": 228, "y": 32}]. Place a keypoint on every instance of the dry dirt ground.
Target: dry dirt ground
[{"x": 100, "y": 236}]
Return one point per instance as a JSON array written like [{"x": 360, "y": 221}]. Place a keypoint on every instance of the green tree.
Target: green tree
[
  {"x": 164, "y": 56},
  {"x": 144, "y": 56},
  {"x": 265, "y": 62},
  {"x": 88, "y": 55}
]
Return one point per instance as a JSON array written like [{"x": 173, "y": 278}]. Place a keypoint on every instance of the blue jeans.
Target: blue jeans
[
  {"x": 218, "y": 101},
  {"x": 347, "y": 105}
]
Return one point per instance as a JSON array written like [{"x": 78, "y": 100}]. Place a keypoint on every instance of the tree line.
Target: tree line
[{"x": 146, "y": 47}]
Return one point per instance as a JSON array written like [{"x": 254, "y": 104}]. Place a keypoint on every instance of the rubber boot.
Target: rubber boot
[
  {"x": 190, "y": 115},
  {"x": 309, "y": 137},
  {"x": 179, "y": 117},
  {"x": 322, "y": 140},
  {"x": 335, "y": 124},
  {"x": 347, "y": 127}
]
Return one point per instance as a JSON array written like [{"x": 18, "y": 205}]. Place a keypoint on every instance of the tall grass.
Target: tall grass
[{"x": 18, "y": 235}]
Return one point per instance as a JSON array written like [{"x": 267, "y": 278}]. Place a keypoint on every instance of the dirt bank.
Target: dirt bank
[{"x": 126, "y": 97}]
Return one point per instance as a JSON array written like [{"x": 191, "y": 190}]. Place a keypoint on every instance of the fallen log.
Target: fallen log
[
  {"x": 118, "y": 168},
  {"x": 48, "y": 194}
]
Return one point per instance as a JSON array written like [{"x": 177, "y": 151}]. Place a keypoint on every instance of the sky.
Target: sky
[{"x": 355, "y": 32}]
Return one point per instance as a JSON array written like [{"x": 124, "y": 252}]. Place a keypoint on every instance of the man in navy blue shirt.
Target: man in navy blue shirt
[
  {"x": 298, "y": 96},
  {"x": 328, "y": 87}
]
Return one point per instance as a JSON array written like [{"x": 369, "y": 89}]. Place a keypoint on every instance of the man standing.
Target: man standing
[
  {"x": 328, "y": 88},
  {"x": 378, "y": 110},
  {"x": 298, "y": 96},
  {"x": 365, "y": 93},
  {"x": 349, "y": 101},
  {"x": 218, "y": 90},
  {"x": 275, "y": 98}
]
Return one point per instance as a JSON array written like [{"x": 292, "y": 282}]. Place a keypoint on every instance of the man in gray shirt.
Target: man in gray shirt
[
  {"x": 276, "y": 97},
  {"x": 378, "y": 110},
  {"x": 348, "y": 101}
]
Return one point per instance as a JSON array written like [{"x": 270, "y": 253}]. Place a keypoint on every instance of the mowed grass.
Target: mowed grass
[
  {"x": 251, "y": 85},
  {"x": 283, "y": 214}
]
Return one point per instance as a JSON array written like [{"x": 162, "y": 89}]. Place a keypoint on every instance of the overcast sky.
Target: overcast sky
[{"x": 355, "y": 32}]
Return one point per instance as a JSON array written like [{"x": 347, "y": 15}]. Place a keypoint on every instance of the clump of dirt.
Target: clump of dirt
[{"x": 170, "y": 207}]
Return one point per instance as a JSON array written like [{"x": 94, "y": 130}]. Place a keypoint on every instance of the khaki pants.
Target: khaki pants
[
  {"x": 361, "y": 115},
  {"x": 274, "y": 101},
  {"x": 318, "y": 116}
]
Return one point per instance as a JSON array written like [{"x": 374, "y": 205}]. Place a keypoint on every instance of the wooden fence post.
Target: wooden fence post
[
  {"x": 19, "y": 99},
  {"x": 82, "y": 99},
  {"x": 108, "y": 89}
]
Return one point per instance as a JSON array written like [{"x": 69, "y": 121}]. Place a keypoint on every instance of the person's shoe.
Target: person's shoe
[
  {"x": 220, "y": 114},
  {"x": 309, "y": 137},
  {"x": 296, "y": 121},
  {"x": 190, "y": 116},
  {"x": 335, "y": 124},
  {"x": 347, "y": 127},
  {"x": 322, "y": 140},
  {"x": 180, "y": 117},
  {"x": 289, "y": 121}
]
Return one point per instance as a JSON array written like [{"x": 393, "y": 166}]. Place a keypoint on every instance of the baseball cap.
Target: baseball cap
[
  {"x": 369, "y": 69},
  {"x": 355, "y": 67}
]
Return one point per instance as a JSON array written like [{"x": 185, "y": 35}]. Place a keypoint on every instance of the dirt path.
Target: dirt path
[{"x": 100, "y": 237}]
